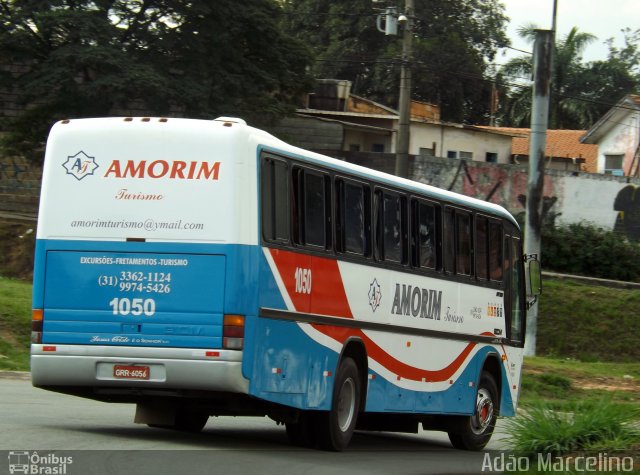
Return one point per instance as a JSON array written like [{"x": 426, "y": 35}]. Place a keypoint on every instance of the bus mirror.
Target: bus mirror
[{"x": 535, "y": 276}]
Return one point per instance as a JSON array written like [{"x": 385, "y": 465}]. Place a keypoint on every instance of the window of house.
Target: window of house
[
  {"x": 491, "y": 157},
  {"x": 377, "y": 148},
  {"x": 465, "y": 155},
  {"x": 452, "y": 154},
  {"x": 613, "y": 165}
]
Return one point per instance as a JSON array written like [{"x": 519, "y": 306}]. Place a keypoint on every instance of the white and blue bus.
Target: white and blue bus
[{"x": 200, "y": 268}]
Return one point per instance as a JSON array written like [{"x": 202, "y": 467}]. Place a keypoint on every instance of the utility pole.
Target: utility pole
[
  {"x": 404, "y": 106},
  {"x": 542, "y": 68}
]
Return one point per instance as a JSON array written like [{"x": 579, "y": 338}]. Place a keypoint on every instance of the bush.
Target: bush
[
  {"x": 588, "y": 427},
  {"x": 584, "y": 249}
]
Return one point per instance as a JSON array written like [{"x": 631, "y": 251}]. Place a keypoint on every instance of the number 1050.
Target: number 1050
[{"x": 134, "y": 307}]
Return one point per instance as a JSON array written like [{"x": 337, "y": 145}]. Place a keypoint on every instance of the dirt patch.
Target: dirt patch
[
  {"x": 9, "y": 337},
  {"x": 608, "y": 384}
]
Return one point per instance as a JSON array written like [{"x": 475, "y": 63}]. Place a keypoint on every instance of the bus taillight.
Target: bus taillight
[
  {"x": 36, "y": 325},
  {"x": 233, "y": 332}
]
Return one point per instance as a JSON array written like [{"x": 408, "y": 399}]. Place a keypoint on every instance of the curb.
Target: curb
[
  {"x": 16, "y": 375},
  {"x": 616, "y": 284}
]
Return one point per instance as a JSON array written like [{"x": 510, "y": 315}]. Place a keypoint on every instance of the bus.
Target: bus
[{"x": 203, "y": 268}]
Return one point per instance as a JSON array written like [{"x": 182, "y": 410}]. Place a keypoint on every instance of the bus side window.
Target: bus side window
[
  {"x": 482, "y": 262},
  {"x": 316, "y": 204},
  {"x": 425, "y": 234},
  {"x": 275, "y": 200},
  {"x": 463, "y": 243},
  {"x": 449, "y": 240},
  {"x": 517, "y": 286},
  {"x": 391, "y": 227},
  {"x": 354, "y": 210},
  {"x": 495, "y": 251}
]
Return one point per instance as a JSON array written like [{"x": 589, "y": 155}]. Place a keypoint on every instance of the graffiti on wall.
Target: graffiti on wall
[
  {"x": 627, "y": 204},
  {"x": 505, "y": 187}
]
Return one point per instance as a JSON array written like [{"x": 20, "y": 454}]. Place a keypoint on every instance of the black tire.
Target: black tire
[
  {"x": 474, "y": 432},
  {"x": 334, "y": 429}
]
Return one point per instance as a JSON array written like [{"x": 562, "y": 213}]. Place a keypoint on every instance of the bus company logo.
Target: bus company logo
[
  {"x": 174, "y": 170},
  {"x": 23, "y": 461},
  {"x": 375, "y": 295},
  {"x": 80, "y": 165}
]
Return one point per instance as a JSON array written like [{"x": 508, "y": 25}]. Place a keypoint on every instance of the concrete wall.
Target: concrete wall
[{"x": 569, "y": 197}]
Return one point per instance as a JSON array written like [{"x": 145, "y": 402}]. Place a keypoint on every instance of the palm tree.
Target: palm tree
[{"x": 565, "y": 109}]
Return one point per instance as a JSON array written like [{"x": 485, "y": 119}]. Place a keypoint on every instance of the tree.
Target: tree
[
  {"x": 453, "y": 41},
  {"x": 84, "y": 58},
  {"x": 581, "y": 93}
]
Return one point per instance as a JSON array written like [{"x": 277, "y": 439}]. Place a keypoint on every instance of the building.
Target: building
[
  {"x": 563, "y": 150},
  {"x": 617, "y": 135},
  {"x": 335, "y": 121}
]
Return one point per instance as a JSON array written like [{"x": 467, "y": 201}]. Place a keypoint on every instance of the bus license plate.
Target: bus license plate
[{"x": 130, "y": 372}]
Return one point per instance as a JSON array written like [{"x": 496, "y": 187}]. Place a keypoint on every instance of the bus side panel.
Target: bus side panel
[
  {"x": 441, "y": 380},
  {"x": 292, "y": 369},
  {"x": 286, "y": 365}
]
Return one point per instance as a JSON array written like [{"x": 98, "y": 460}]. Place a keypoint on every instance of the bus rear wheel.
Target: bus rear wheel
[
  {"x": 335, "y": 428},
  {"x": 474, "y": 432}
]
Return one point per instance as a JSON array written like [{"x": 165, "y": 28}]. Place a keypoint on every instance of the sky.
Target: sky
[{"x": 603, "y": 18}]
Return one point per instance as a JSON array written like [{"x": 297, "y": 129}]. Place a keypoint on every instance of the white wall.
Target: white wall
[
  {"x": 459, "y": 139},
  {"x": 622, "y": 139}
]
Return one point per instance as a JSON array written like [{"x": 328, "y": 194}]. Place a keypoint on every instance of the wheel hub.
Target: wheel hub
[
  {"x": 484, "y": 412},
  {"x": 346, "y": 404}
]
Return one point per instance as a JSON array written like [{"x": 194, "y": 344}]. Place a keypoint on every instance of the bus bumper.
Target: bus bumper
[{"x": 141, "y": 367}]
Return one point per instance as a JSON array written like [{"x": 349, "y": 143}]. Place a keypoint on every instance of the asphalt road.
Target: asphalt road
[{"x": 101, "y": 438}]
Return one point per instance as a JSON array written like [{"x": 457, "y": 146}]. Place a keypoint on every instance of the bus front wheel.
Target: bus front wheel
[
  {"x": 335, "y": 428},
  {"x": 474, "y": 432}
]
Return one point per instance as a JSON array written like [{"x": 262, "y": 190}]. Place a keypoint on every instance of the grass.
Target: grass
[
  {"x": 588, "y": 323},
  {"x": 15, "y": 324},
  {"x": 586, "y": 427},
  {"x": 563, "y": 382}
]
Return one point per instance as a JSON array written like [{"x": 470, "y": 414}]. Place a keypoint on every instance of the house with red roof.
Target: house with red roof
[{"x": 563, "y": 150}]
